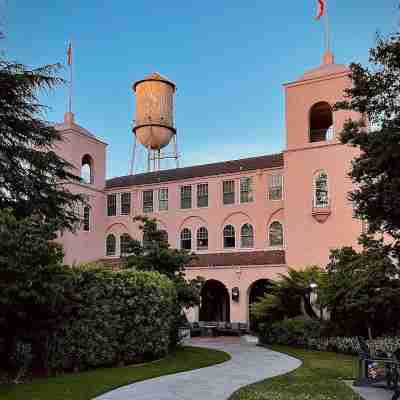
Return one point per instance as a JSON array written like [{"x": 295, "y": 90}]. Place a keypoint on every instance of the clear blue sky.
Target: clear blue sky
[{"x": 228, "y": 59}]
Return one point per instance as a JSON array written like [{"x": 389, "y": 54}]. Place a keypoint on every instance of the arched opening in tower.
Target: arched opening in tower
[
  {"x": 214, "y": 302},
  {"x": 321, "y": 122}
]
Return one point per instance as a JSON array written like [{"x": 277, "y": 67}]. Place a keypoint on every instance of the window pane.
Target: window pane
[
  {"x": 125, "y": 203},
  {"x": 202, "y": 238},
  {"x": 186, "y": 239},
  {"x": 186, "y": 197},
  {"x": 112, "y": 205},
  {"x": 202, "y": 195},
  {"x": 247, "y": 236},
  {"x": 246, "y": 190},
  {"x": 321, "y": 197},
  {"x": 125, "y": 241},
  {"x": 276, "y": 234},
  {"x": 147, "y": 201},
  {"x": 110, "y": 245},
  {"x": 163, "y": 199},
  {"x": 229, "y": 236},
  {"x": 228, "y": 192},
  {"x": 275, "y": 187},
  {"x": 86, "y": 218}
]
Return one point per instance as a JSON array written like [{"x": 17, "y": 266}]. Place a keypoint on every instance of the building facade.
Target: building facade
[{"x": 247, "y": 220}]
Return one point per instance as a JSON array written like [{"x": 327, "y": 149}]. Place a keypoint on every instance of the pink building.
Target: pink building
[{"x": 248, "y": 219}]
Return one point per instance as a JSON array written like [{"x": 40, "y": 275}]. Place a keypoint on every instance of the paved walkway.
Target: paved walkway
[
  {"x": 248, "y": 364},
  {"x": 370, "y": 393}
]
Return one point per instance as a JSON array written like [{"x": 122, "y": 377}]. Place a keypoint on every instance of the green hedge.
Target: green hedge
[
  {"x": 292, "y": 332},
  {"x": 122, "y": 317}
]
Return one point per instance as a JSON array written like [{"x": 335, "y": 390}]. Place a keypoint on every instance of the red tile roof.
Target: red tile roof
[
  {"x": 273, "y": 257},
  {"x": 198, "y": 171}
]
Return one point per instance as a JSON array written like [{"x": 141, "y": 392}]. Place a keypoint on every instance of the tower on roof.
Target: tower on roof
[{"x": 154, "y": 126}]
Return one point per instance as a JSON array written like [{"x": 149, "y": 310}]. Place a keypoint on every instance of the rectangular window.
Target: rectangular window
[
  {"x": 246, "y": 189},
  {"x": 163, "y": 199},
  {"x": 112, "y": 205},
  {"x": 186, "y": 197},
  {"x": 275, "y": 183},
  {"x": 228, "y": 192},
  {"x": 125, "y": 203},
  {"x": 86, "y": 218},
  {"x": 202, "y": 195},
  {"x": 147, "y": 201}
]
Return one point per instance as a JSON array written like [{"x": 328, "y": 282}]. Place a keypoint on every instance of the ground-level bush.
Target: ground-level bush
[
  {"x": 292, "y": 332},
  {"x": 122, "y": 317},
  {"x": 311, "y": 334}
]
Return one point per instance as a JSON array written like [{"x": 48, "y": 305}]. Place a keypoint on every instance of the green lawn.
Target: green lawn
[
  {"x": 86, "y": 385},
  {"x": 317, "y": 379}
]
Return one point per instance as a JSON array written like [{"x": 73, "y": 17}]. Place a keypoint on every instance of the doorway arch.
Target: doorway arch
[
  {"x": 256, "y": 290},
  {"x": 215, "y": 304}
]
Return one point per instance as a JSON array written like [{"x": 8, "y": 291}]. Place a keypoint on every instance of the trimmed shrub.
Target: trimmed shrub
[
  {"x": 122, "y": 317},
  {"x": 292, "y": 332}
]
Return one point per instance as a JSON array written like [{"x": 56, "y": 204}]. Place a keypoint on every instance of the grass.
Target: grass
[
  {"x": 317, "y": 379},
  {"x": 86, "y": 385}
]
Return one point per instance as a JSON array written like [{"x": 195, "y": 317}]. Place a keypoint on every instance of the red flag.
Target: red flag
[
  {"x": 69, "y": 54},
  {"x": 321, "y": 9}
]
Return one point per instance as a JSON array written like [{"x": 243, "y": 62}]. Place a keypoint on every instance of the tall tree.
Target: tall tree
[
  {"x": 32, "y": 175},
  {"x": 156, "y": 255},
  {"x": 375, "y": 94},
  {"x": 362, "y": 288}
]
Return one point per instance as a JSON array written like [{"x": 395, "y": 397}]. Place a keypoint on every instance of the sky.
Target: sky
[{"x": 228, "y": 59}]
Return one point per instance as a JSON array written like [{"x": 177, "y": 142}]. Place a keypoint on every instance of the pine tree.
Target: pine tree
[{"x": 32, "y": 175}]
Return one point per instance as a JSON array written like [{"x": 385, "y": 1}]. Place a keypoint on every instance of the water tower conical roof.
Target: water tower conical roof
[{"x": 154, "y": 76}]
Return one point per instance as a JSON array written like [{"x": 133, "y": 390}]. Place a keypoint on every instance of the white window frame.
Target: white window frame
[
  {"x": 116, "y": 245},
  {"x": 277, "y": 246},
  {"x": 152, "y": 200},
  {"x": 181, "y": 238},
  {"x": 234, "y": 192},
  {"x": 116, "y": 204},
  {"x": 315, "y": 177},
  {"x": 249, "y": 191},
  {"x": 164, "y": 200},
  {"x": 272, "y": 187},
  {"x": 234, "y": 237},
  {"x": 182, "y": 188},
  {"x": 252, "y": 237},
  {"x": 197, "y": 194},
  {"x": 120, "y": 203},
  {"x": 198, "y": 238}
]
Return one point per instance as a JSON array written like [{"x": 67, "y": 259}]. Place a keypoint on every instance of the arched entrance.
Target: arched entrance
[
  {"x": 214, "y": 302},
  {"x": 257, "y": 290}
]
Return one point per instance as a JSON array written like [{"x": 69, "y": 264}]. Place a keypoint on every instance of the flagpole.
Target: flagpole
[
  {"x": 327, "y": 30},
  {"x": 70, "y": 79}
]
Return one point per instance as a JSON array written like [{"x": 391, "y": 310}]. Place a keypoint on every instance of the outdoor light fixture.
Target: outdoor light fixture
[
  {"x": 313, "y": 285},
  {"x": 235, "y": 294}
]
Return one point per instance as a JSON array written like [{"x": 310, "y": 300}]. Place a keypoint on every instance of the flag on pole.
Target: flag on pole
[
  {"x": 321, "y": 9},
  {"x": 69, "y": 54}
]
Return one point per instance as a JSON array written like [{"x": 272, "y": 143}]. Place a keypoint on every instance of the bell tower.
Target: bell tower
[{"x": 318, "y": 215}]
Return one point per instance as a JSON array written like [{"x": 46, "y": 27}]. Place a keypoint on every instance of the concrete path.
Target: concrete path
[
  {"x": 249, "y": 364},
  {"x": 370, "y": 393}
]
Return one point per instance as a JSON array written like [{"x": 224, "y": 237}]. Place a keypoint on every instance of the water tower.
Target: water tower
[{"x": 154, "y": 124}]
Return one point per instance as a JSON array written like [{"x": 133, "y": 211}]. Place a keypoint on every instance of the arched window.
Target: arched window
[
  {"x": 111, "y": 244},
  {"x": 87, "y": 169},
  {"x": 202, "y": 238},
  {"x": 86, "y": 218},
  {"x": 186, "y": 239},
  {"x": 321, "y": 122},
  {"x": 321, "y": 193},
  {"x": 275, "y": 234},
  {"x": 247, "y": 236},
  {"x": 124, "y": 244},
  {"x": 229, "y": 237}
]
